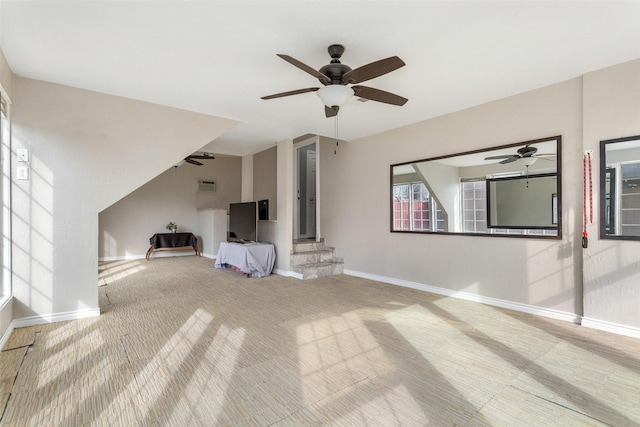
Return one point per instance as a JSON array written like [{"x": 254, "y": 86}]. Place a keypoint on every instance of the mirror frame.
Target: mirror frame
[
  {"x": 558, "y": 236},
  {"x": 603, "y": 172}
]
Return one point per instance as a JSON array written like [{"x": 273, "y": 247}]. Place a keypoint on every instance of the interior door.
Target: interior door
[
  {"x": 306, "y": 206},
  {"x": 310, "y": 202}
]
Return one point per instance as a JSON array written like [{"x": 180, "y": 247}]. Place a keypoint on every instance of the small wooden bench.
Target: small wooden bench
[{"x": 173, "y": 242}]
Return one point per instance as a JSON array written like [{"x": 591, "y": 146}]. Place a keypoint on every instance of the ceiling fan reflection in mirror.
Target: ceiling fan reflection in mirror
[
  {"x": 526, "y": 156},
  {"x": 193, "y": 159},
  {"x": 336, "y": 78}
]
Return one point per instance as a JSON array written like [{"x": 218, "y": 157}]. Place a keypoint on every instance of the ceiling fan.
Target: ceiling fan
[
  {"x": 336, "y": 77},
  {"x": 525, "y": 155},
  {"x": 192, "y": 159}
]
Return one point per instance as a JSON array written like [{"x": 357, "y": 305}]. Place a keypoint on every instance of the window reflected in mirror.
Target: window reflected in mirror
[
  {"x": 510, "y": 190},
  {"x": 620, "y": 188}
]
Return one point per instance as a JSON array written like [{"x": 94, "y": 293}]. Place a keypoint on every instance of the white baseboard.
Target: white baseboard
[
  {"x": 208, "y": 255},
  {"x": 616, "y": 328},
  {"x": 120, "y": 258},
  {"x": 287, "y": 273},
  {"x": 157, "y": 254},
  {"x": 46, "y": 318},
  {"x": 525, "y": 308},
  {"x": 55, "y": 317},
  {"x": 6, "y": 335}
]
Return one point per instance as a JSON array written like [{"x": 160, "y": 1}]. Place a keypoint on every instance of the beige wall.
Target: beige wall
[
  {"x": 265, "y": 178},
  {"x": 356, "y": 205},
  {"x": 611, "y": 267},
  {"x": 539, "y": 274},
  {"x": 125, "y": 227},
  {"x": 280, "y": 231},
  {"x": 247, "y": 178},
  {"x": 6, "y": 77},
  {"x": 88, "y": 150}
]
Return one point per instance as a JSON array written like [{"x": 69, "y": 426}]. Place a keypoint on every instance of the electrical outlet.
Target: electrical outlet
[
  {"x": 23, "y": 172},
  {"x": 23, "y": 154}
]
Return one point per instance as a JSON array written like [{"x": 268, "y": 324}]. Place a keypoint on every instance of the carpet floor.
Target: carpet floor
[{"x": 180, "y": 343}]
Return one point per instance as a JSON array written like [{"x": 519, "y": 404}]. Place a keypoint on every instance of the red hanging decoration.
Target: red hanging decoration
[{"x": 587, "y": 215}]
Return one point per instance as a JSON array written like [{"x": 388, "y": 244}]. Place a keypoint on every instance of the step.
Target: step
[
  {"x": 307, "y": 245},
  {"x": 319, "y": 269},
  {"x": 309, "y": 257}
]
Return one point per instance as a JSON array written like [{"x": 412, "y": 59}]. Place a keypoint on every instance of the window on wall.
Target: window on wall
[
  {"x": 5, "y": 184},
  {"x": 401, "y": 204},
  {"x": 420, "y": 207},
  {"x": 474, "y": 206},
  {"x": 414, "y": 209},
  {"x": 474, "y": 211},
  {"x": 630, "y": 199}
]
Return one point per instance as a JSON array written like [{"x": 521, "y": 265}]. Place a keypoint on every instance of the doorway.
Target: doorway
[{"x": 306, "y": 200}]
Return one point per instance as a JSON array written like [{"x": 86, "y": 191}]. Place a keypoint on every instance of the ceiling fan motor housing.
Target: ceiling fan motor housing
[
  {"x": 527, "y": 151},
  {"x": 335, "y": 51},
  {"x": 334, "y": 71}
]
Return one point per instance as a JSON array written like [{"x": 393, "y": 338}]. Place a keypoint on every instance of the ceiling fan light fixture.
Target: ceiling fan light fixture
[
  {"x": 527, "y": 161},
  {"x": 335, "y": 95}
]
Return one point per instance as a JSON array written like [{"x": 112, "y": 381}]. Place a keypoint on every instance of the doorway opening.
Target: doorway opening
[{"x": 306, "y": 204}]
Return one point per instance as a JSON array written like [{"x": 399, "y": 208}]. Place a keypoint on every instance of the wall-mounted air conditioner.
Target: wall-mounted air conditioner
[{"x": 206, "y": 186}]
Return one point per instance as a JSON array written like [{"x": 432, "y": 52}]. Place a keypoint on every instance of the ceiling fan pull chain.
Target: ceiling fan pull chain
[{"x": 335, "y": 151}]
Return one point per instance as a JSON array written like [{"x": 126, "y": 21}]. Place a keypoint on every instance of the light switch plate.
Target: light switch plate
[
  {"x": 23, "y": 154},
  {"x": 23, "y": 172}
]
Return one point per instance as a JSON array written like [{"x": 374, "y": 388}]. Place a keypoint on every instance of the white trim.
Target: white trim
[
  {"x": 6, "y": 214},
  {"x": 4, "y": 301},
  {"x": 54, "y": 317},
  {"x": 286, "y": 273},
  {"x": 155, "y": 254},
  {"x": 616, "y": 328},
  {"x": 6, "y": 335},
  {"x": 6, "y": 306},
  {"x": 525, "y": 308},
  {"x": 210, "y": 256},
  {"x": 46, "y": 318}
]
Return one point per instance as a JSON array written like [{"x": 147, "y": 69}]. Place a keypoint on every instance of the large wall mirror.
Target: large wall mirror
[
  {"x": 511, "y": 191},
  {"x": 620, "y": 188}
]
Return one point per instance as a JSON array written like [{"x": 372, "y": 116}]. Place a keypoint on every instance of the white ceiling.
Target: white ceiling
[{"x": 219, "y": 57}]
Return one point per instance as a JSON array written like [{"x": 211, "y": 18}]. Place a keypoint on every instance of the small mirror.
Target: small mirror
[
  {"x": 620, "y": 188},
  {"x": 502, "y": 191}
]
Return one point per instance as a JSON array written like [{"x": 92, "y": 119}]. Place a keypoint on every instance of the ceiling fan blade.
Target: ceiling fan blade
[
  {"x": 331, "y": 111},
  {"x": 304, "y": 67},
  {"x": 291, "y": 92},
  {"x": 193, "y": 162},
  {"x": 509, "y": 160},
  {"x": 200, "y": 157},
  {"x": 373, "y": 70},
  {"x": 508, "y": 156},
  {"x": 378, "y": 95}
]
